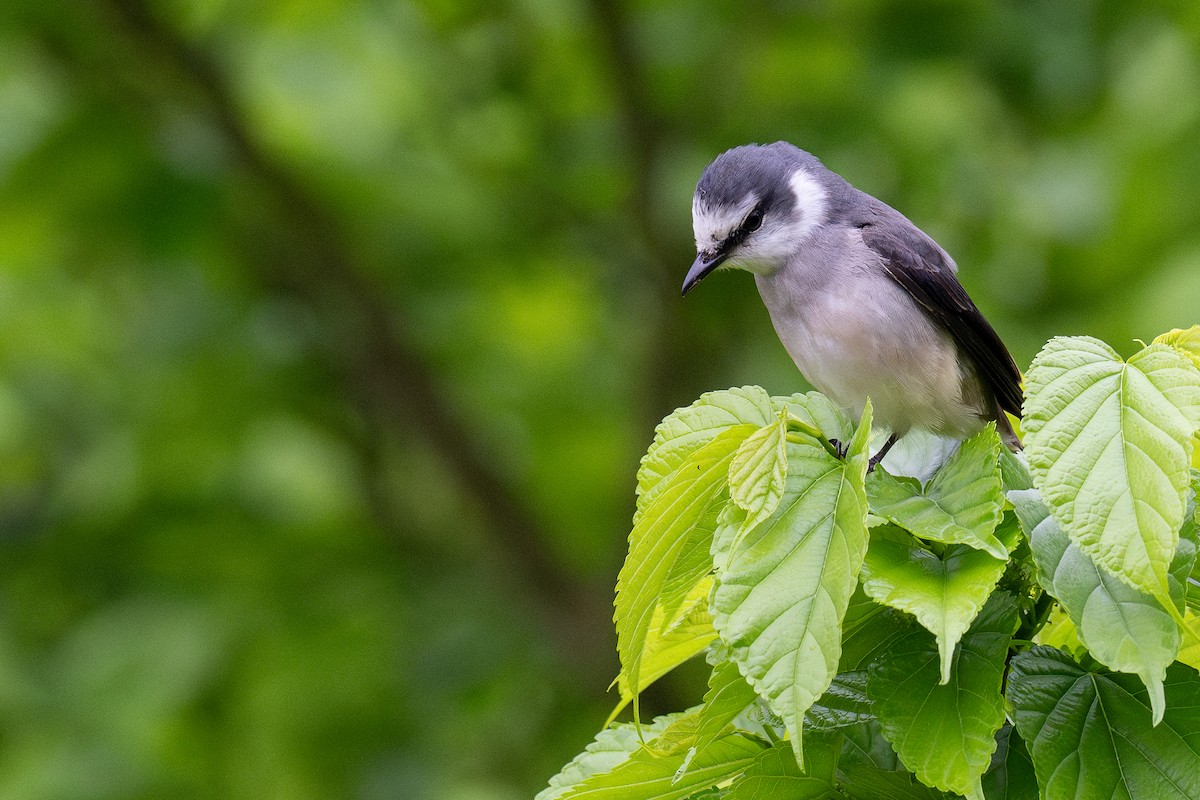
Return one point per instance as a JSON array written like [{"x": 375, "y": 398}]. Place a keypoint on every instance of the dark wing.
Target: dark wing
[{"x": 915, "y": 262}]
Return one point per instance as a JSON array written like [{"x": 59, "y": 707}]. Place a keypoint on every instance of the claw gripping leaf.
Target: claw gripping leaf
[
  {"x": 783, "y": 589},
  {"x": 1109, "y": 445}
]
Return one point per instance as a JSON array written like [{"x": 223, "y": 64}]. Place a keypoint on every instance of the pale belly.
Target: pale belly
[{"x": 869, "y": 339}]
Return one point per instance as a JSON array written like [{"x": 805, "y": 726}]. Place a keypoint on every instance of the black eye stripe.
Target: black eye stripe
[{"x": 751, "y": 223}]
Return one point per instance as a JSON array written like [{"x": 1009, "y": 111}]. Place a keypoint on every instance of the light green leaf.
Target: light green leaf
[
  {"x": 1186, "y": 341},
  {"x": 1190, "y": 652},
  {"x": 669, "y": 645},
  {"x": 692, "y": 566},
  {"x": 687, "y": 429},
  {"x": 962, "y": 504},
  {"x": 758, "y": 471},
  {"x": 1109, "y": 444},
  {"x": 1122, "y": 628},
  {"x": 728, "y": 696},
  {"x": 692, "y": 491},
  {"x": 1089, "y": 735},
  {"x": 1059, "y": 631},
  {"x": 611, "y": 747},
  {"x": 945, "y": 733},
  {"x": 783, "y": 590},
  {"x": 943, "y": 592},
  {"x": 775, "y": 774},
  {"x": 819, "y": 411},
  {"x": 650, "y": 772}
]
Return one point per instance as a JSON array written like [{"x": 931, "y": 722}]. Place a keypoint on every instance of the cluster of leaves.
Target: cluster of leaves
[{"x": 1012, "y": 626}]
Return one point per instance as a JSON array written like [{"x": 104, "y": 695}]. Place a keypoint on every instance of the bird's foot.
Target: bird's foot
[
  {"x": 883, "y": 451},
  {"x": 842, "y": 449}
]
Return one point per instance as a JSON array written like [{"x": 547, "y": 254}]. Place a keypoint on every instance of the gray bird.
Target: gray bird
[{"x": 864, "y": 301}]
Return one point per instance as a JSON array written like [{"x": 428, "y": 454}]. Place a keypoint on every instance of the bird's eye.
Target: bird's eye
[{"x": 754, "y": 221}]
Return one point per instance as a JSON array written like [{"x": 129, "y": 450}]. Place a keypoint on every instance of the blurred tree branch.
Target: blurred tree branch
[
  {"x": 642, "y": 133},
  {"x": 367, "y": 346}
]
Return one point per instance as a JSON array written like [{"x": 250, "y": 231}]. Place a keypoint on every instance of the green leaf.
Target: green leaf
[
  {"x": 687, "y": 429},
  {"x": 819, "y": 411},
  {"x": 611, "y": 747},
  {"x": 1109, "y": 444},
  {"x": 783, "y": 590},
  {"x": 962, "y": 504},
  {"x": 657, "y": 542},
  {"x": 1186, "y": 341},
  {"x": 668, "y": 646},
  {"x": 775, "y": 774},
  {"x": 1124, "y": 629},
  {"x": 1014, "y": 473},
  {"x": 943, "y": 592},
  {"x": 1059, "y": 631},
  {"x": 869, "y": 768},
  {"x": 869, "y": 630},
  {"x": 728, "y": 696},
  {"x": 1011, "y": 776},
  {"x": 1089, "y": 731},
  {"x": 650, "y": 773},
  {"x": 945, "y": 733},
  {"x": 1190, "y": 652},
  {"x": 758, "y": 471},
  {"x": 844, "y": 703},
  {"x": 692, "y": 566}
]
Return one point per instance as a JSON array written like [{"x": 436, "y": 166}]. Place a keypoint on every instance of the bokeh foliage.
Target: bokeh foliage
[{"x": 330, "y": 334}]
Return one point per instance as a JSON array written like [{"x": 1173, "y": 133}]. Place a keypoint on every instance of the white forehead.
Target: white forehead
[{"x": 712, "y": 223}]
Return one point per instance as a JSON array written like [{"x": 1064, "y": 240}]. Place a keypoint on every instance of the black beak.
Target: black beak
[{"x": 704, "y": 264}]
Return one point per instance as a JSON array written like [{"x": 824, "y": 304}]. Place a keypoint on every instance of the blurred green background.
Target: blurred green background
[{"x": 331, "y": 335}]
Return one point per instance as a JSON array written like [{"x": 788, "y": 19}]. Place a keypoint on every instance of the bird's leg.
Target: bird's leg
[
  {"x": 841, "y": 448},
  {"x": 883, "y": 451}
]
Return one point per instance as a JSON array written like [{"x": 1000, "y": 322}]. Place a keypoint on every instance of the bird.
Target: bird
[{"x": 866, "y": 303}]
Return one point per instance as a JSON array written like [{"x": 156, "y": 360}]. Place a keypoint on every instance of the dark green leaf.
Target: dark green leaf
[
  {"x": 946, "y": 733},
  {"x": 775, "y": 774},
  {"x": 1010, "y": 777},
  {"x": 1090, "y": 735}
]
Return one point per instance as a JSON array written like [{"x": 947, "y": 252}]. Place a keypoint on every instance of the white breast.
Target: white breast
[{"x": 854, "y": 333}]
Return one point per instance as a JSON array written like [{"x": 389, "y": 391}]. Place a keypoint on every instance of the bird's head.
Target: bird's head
[{"x": 754, "y": 205}]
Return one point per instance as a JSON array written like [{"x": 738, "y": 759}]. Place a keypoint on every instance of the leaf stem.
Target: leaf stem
[
  {"x": 814, "y": 432},
  {"x": 1036, "y": 619}
]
